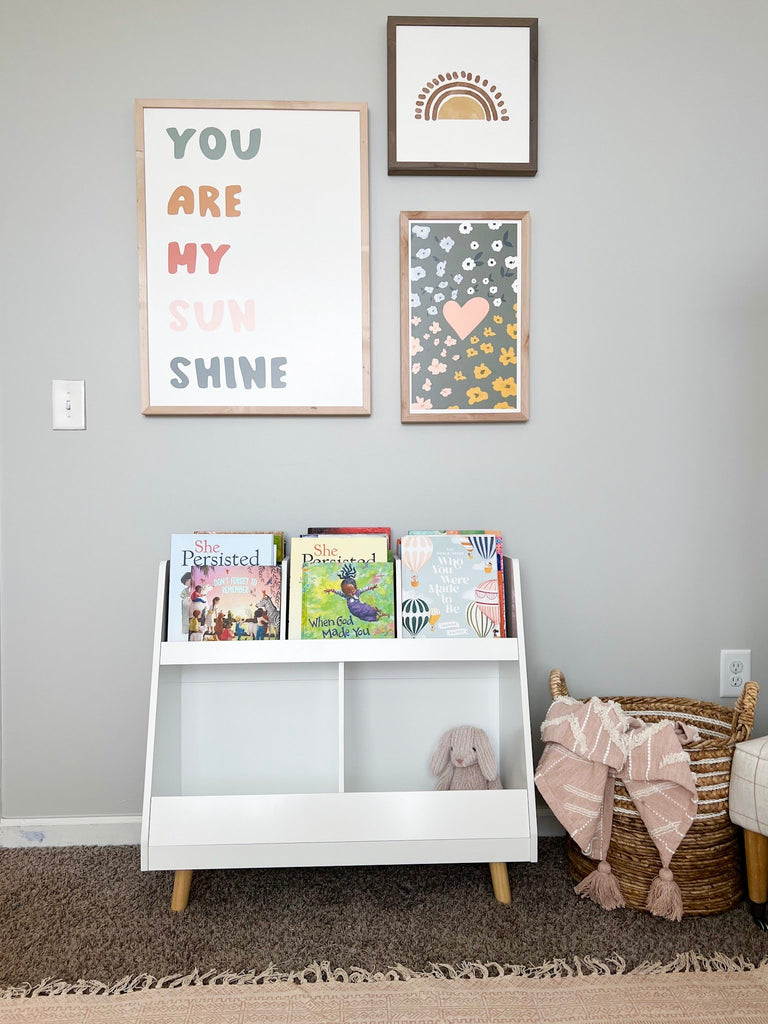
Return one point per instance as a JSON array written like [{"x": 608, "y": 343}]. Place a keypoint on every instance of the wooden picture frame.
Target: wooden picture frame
[
  {"x": 462, "y": 95},
  {"x": 254, "y": 296},
  {"x": 464, "y": 311}
]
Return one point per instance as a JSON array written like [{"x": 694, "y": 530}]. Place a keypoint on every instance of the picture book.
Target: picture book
[
  {"x": 354, "y": 529},
  {"x": 322, "y": 548},
  {"x": 279, "y": 536},
  {"x": 453, "y": 586},
  {"x": 236, "y": 552},
  {"x": 347, "y": 600},
  {"x": 235, "y": 604}
]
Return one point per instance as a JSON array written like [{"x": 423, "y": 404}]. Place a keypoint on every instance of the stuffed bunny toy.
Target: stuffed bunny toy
[{"x": 464, "y": 760}]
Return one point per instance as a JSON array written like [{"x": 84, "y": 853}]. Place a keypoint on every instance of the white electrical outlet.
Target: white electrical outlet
[{"x": 735, "y": 670}]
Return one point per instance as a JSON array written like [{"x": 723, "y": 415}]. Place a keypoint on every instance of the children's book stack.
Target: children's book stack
[
  {"x": 337, "y": 582},
  {"x": 225, "y": 586},
  {"x": 453, "y": 585}
]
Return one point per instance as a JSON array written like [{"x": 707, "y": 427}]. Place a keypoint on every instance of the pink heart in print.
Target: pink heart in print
[{"x": 464, "y": 319}]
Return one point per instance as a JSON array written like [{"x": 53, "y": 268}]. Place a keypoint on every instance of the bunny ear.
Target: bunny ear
[
  {"x": 439, "y": 760},
  {"x": 485, "y": 756}
]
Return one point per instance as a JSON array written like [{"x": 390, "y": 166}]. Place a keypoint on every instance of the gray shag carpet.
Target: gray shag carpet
[{"x": 89, "y": 913}]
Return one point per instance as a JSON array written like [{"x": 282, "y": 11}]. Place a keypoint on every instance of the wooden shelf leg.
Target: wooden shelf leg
[
  {"x": 756, "y": 849},
  {"x": 181, "y": 883},
  {"x": 500, "y": 879}
]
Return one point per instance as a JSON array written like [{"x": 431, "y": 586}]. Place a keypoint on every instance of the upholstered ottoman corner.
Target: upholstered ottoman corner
[{"x": 748, "y": 807}]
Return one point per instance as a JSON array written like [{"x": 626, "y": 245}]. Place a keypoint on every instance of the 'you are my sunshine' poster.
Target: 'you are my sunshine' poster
[{"x": 253, "y": 241}]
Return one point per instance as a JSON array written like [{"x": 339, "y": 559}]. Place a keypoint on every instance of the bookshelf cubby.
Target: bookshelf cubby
[{"x": 292, "y": 753}]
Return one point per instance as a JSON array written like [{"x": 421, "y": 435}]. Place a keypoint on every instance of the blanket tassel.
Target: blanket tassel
[
  {"x": 602, "y": 886},
  {"x": 664, "y": 899}
]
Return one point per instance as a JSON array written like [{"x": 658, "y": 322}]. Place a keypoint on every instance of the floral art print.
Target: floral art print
[{"x": 466, "y": 296}]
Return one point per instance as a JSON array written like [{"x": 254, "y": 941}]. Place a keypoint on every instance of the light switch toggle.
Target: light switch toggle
[{"x": 68, "y": 397}]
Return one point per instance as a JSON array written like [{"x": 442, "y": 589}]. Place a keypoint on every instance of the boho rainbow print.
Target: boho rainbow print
[
  {"x": 462, "y": 95},
  {"x": 464, "y": 281}
]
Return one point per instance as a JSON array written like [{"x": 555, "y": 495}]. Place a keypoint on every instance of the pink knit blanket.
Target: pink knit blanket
[{"x": 587, "y": 746}]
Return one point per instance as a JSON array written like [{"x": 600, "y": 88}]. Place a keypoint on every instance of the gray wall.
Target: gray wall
[{"x": 634, "y": 497}]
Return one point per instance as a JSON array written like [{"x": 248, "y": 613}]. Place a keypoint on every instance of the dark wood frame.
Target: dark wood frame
[
  {"x": 521, "y": 414},
  {"x": 469, "y": 168}
]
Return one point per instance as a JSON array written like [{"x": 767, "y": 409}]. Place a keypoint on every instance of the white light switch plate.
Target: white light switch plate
[{"x": 68, "y": 398}]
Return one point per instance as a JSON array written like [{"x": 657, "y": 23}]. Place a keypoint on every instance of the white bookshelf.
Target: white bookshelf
[{"x": 316, "y": 752}]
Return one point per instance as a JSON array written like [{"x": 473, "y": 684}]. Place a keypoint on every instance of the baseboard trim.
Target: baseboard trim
[
  {"x": 102, "y": 830},
  {"x": 112, "y": 830}
]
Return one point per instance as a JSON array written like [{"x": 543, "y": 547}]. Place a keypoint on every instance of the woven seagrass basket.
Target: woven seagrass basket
[{"x": 708, "y": 863}]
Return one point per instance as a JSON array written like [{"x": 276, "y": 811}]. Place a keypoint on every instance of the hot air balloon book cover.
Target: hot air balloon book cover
[
  {"x": 348, "y": 600},
  {"x": 453, "y": 586}
]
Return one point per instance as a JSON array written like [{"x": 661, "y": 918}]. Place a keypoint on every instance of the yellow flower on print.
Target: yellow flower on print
[
  {"x": 489, "y": 332},
  {"x": 487, "y": 347},
  {"x": 512, "y": 331},
  {"x": 459, "y": 375},
  {"x": 498, "y": 319},
  {"x": 474, "y": 340},
  {"x": 503, "y": 405},
  {"x": 453, "y": 407},
  {"x": 505, "y": 386},
  {"x": 471, "y": 352},
  {"x": 515, "y": 307},
  {"x": 476, "y": 395},
  {"x": 482, "y": 371},
  {"x": 508, "y": 356}
]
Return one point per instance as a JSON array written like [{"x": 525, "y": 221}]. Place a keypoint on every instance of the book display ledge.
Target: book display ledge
[{"x": 293, "y": 753}]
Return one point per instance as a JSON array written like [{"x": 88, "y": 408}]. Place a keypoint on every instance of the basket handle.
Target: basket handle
[
  {"x": 744, "y": 713},
  {"x": 557, "y": 685}
]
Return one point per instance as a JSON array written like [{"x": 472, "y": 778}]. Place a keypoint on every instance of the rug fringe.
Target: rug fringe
[{"x": 321, "y": 971}]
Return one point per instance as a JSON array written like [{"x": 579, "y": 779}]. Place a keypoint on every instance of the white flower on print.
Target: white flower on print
[
  {"x": 415, "y": 367},
  {"x": 458, "y": 278},
  {"x": 436, "y": 367},
  {"x": 439, "y": 297},
  {"x": 469, "y": 263},
  {"x": 474, "y": 280},
  {"x": 428, "y": 288},
  {"x": 465, "y": 227},
  {"x": 445, "y": 392},
  {"x": 427, "y": 385},
  {"x": 493, "y": 289},
  {"x": 416, "y": 346},
  {"x": 450, "y": 340},
  {"x": 494, "y": 225},
  {"x": 440, "y": 268},
  {"x": 497, "y": 245},
  {"x": 423, "y": 253},
  {"x": 420, "y": 230},
  {"x": 435, "y": 327},
  {"x": 456, "y": 357},
  {"x": 515, "y": 285},
  {"x": 512, "y": 262},
  {"x": 470, "y": 291},
  {"x": 432, "y": 310},
  {"x": 454, "y": 293},
  {"x": 486, "y": 280},
  {"x": 417, "y": 273},
  {"x": 415, "y": 320},
  {"x": 415, "y": 301},
  {"x": 421, "y": 403},
  {"x": 447, "y": 243},
  {"x": 443, "y": 354},
  {"x": 497, "y": 302},
  {"x": 491, "y": 262},
  {"x": 474, "y": 245}
]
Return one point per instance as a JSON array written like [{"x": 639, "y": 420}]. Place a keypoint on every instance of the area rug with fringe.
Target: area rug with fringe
[{"x": 689, "y": 990}]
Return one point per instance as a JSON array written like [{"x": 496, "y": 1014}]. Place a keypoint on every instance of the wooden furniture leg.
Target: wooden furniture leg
[
  {"x": 500, "y": 879},
  {"x": 181, "y": 882},
  {"x": 756, "y": 848}
]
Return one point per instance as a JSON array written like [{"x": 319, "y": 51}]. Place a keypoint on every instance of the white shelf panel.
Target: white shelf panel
[
  {"x": 246, "y": 652},
  {"x": 299, "y": 818}
]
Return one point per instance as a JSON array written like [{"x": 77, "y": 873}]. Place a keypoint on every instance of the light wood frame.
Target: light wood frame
[
  {"x": 362, "y": 409},
  {"x": 521, "y": 345},
  {"x": 467, "y": 167}
]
